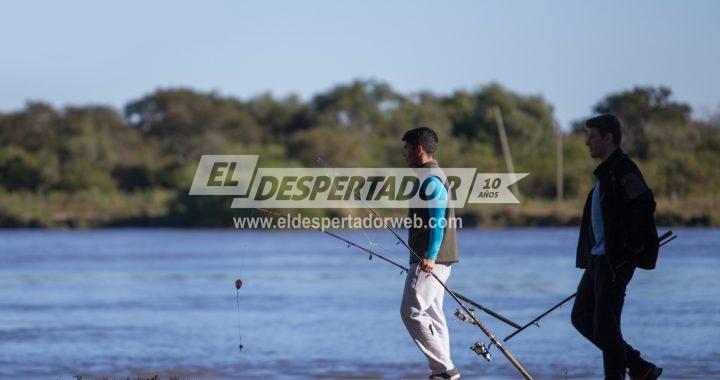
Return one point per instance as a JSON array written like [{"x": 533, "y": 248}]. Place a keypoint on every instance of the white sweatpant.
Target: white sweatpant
[{"x": 421, "y": 310}]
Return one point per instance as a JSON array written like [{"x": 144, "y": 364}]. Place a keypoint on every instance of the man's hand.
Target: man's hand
[{"x": 427, "y": 265}]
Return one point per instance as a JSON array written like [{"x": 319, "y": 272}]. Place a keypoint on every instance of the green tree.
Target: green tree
[
  {"x": 362, "y": 105},
  {"x": 21, "y": 170},
  {"x": 33, "y": 128},
  {"x": 640, "y": 109},
  {"x": 182, "y": 122}
]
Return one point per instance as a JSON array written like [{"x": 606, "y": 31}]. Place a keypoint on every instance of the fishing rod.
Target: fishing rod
[
  {"x": 460, "y": 296},
  {"x": 348, "y": 242},
  {"x": 488, "y": 311},
  {"x": 479, "y": 348},
  {"x": 466, "y": 314},
  {"x": 661, "y": 240}
]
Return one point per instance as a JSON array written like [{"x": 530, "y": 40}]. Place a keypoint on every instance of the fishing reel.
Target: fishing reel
[
  {"x": 465, "y": 317},
  {"x": 482, "y": 350}
]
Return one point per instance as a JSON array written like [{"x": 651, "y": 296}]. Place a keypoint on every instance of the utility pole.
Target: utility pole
[
  {"x": 505, "y": 148},
  {"x": 559, "y": 179}
]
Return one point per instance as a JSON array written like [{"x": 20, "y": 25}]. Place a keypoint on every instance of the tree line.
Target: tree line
[{"x": 154, "y": 143}]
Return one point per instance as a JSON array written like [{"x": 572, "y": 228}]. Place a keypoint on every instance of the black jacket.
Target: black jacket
[{"x": 628, "y": 208}]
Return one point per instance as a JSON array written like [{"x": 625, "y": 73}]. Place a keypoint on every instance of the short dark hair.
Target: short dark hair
[
  {"x": 607, "y": 123},
  {"x": 422, "y": 136}
]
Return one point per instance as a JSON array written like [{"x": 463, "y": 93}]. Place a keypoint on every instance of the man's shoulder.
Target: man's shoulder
[
  {"x": 630, "y": 177},
  {"x": 625, "y": 165}
]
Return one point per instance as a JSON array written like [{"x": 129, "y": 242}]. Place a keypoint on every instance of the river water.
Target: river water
[{"x": 139, "y": 302}]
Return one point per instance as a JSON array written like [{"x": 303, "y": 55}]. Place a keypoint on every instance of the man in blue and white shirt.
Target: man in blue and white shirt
[{"x": 434, "y": 246}]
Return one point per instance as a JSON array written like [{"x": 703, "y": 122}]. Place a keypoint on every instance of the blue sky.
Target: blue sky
[{"x": 571, "y": 52}]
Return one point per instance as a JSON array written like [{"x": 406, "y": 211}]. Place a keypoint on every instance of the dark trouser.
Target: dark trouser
[{"x": 596, "y": 315}]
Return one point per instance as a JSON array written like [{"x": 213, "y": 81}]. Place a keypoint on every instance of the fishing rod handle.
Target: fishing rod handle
[
  {"x": 668, "y": 240},
  {"x": 665, "y": 235},
  {"x": 486, "y": 331},
  {"x": 514, "y": 362},
  {"x": 500, "y": 347}
]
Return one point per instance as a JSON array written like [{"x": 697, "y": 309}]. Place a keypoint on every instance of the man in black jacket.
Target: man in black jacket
[{"x": 617, "y": 234}]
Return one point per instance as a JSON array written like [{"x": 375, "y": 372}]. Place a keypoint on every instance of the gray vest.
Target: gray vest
[{"x": 419, "y": 238}]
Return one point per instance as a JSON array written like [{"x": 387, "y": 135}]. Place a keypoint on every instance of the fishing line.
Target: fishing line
[
  {"x": 321, "y": 163},
  {"x": 238, "y": 285},
  {"x": 371, "y": 242}
]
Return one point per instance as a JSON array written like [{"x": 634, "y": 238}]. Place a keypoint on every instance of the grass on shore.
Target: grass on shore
[
  {"x": 151, "y": 208},
  {"x": 80, "y": 210}
]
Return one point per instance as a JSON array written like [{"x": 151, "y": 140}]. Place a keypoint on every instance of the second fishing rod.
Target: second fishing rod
[
  {"x": 480, "y": 349},
  {"x": 662, "y": 240}
]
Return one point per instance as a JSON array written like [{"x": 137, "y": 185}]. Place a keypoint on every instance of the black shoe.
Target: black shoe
[
  {"x": 452, "y": 374},
  {"x": 651, "y": 373}
]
